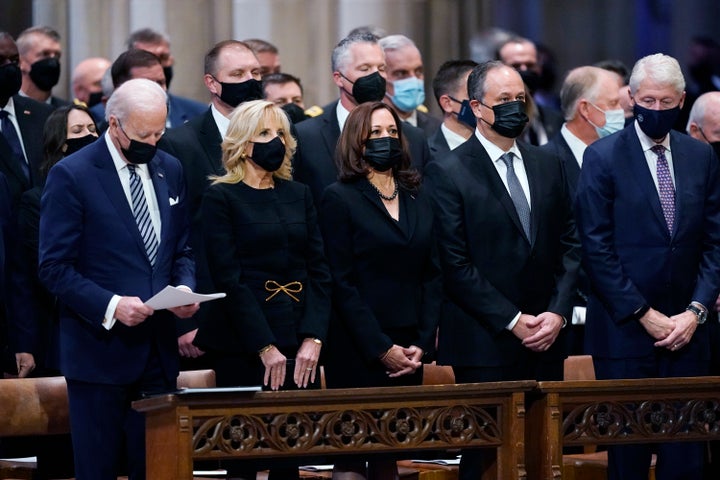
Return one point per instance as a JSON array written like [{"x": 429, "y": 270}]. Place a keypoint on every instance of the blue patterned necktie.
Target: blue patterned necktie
[
  {"x": 665, "y": 187},
  {"x": 142, "y": 214},
  {"x": 517, "y": 194},
  {"x": 10, "y": 134}
]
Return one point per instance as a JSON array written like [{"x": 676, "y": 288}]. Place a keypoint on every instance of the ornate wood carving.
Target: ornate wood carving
[{"x": 346, "y": 431}]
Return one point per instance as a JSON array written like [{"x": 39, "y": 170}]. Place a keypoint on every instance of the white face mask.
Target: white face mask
[{"x": 614, "y": 121}]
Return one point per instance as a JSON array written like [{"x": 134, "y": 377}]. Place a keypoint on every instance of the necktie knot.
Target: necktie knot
[
  {"x": 4, "y": 114},
  {"x": 131, "y": 168},
  {"x": 507, "y": 158},
  {"x": 658, "y": 150}
]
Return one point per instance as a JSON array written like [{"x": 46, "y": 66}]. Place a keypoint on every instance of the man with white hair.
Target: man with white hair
[
  {"x": 704, "y": 121},
  {"x": 648, "y": 214},
  {"x": 113, "y": 232}
]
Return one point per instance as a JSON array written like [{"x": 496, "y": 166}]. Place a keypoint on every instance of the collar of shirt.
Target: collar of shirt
[
  {"x": 577, "y": 146},
  {"x": 412, "y": 119},
  {"x": 651, "y": 157},
  {"x": 647, "y": 143},
  {"x": 221, "y": 121},
  {"x": 121, "y": 164},
  {"x": 453, "y": 139},
  {"x": 10, "y": 108},
  {"x": 342, "y": 114},
  {"x": 494, "y": 151}
]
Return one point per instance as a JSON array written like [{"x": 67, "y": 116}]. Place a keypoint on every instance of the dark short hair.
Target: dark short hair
[
  {"x": 212, "y": 55},
  {"x": 146, "y": 35},
  {"x": 280, "y": 79},
  {"x": 450, "y": 76},
  {"x": 476, "y": 80},
  {"x": 615, "y": 65},
  {"x": 55, "y": 135},
  {"x": 129, "y": 59},
  {"x": 348, "y": 154}
]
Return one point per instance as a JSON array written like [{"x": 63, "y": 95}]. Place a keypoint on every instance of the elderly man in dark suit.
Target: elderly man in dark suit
[
  {"x": 113, "y": 232},
  {"x": 648, "y": 212},
  {"x": 358, "y": 65},
  {"x": 232, "y": 76},
  {"x": 40, "y": 53},
  {"x": 21, "y": 125},
  {"x": 508, "y": 246}
]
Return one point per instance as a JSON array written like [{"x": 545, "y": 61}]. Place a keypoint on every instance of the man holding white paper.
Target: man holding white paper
[{"x": 113, "y": 232}]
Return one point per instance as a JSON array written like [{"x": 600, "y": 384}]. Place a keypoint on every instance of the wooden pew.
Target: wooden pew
[
  {"x": 598, "y": 412},
  {"x": 182, "y": 428}
]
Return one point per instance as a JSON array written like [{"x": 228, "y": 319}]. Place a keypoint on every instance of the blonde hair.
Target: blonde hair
[{"x": 247, "y": 121}]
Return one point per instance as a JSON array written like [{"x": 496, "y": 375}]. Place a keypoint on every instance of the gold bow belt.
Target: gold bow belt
[{"x": 288, "y": 289}]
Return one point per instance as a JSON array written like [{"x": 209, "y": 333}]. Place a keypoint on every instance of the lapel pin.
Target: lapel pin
[
  {"x": 26, "y": 112},
  {"x": 161, "y": 175}
]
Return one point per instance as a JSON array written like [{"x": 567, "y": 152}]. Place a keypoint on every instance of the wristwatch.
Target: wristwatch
[{"x": 700, "y": 312}]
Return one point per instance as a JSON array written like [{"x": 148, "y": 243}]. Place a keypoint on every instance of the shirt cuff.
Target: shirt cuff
[
  {"x": 514, "y": 321},
  {"x": 578, "y": 316},
  {"x": 110, "y": 319}
]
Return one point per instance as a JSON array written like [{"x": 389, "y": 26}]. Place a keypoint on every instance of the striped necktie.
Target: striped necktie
[
  {"x": 142, "y": 214},
  {"x": 517, "y": 194},
  {"x": 665, "y": 187}
]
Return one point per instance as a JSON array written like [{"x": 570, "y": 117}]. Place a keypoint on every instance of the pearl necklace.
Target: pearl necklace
[{"x": 390, "y": 197}]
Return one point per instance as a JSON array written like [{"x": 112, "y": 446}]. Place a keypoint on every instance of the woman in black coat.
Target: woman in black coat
[{"x": 378, "y": 230}]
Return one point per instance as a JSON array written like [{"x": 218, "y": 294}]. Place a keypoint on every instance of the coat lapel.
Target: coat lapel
[{"x": 210, "y": 139}]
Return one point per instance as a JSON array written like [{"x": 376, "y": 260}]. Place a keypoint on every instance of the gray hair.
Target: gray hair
[
  {"x": 135, "y": 95},
  {"x": 146, "y": 35},
  {"x": 341, "y": 52},
  {"x": 395, "y": 42},
  {"x": 581, "y": 82},
  {"x": 659, "y": 67},
  {"x": 476, "y": 80},
  {"x": 697, "y": 112},
  {"x": 24, "y": 41}
]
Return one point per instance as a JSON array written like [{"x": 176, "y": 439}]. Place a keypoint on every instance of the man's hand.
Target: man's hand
[
  {"x": 132, "y": 311},
  {"x": 25, "y": 363},
  {"x": 685, "y": 326},
  {"x": 546, "y": 328},
  {"x": 521, "y": 329},
  {"x": 186, "y": 347},
  {"x": 185, "y": 311},
  {"x": 657, "y": 325},
  {"x": 398, "y": 361}
]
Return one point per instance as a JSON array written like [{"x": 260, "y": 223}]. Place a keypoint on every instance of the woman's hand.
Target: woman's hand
[
  {"x": 306, "y": 362},
  {"x": 274, "y": 362},
  {"x": 400, "y": 361}
]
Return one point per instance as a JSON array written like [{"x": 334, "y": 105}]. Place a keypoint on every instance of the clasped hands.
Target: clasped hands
[
  {"x": 673, "y": 332},
  {"x": 539, "y": 332},
  {"x": 400, "y": 361}
]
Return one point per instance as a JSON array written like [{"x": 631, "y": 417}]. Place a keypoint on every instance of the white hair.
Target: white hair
[
  {"x": 659, "y": 67},
  {"x": 136, "y": 95},
  {"x": 697, "y": 112},
  {"x": 395, "y": 42}
]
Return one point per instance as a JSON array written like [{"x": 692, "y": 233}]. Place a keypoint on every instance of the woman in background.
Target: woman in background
[{"x": 378, "y": 230}]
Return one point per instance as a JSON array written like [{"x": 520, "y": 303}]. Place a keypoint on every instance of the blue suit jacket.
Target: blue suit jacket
[
  {"x": 628, "y": 253},
  {"x": 90, "y": 249},
  {"x": 183, "y": 109}
]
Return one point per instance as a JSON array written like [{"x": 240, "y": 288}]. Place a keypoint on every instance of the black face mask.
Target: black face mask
[
  {"x": 370, "y": 88},
  {"x": 294, "y": 112},
  {"x": 94, "y": 99},
  {"x": 137, "y": 152},
  {"x": 656, "y": 123},
  {"x": 465, "y": 115},
  {"x": 236, "y": 93},
  {"x": 168, "y": 71},
  {"x": 10, "y": 80},
  {"x": 269, "y": 156},
  {"x": 383, "y": 153},
  {"x": 72, "y": 145},
  {"x": 510, "y": 118},
  {"x": 45, "y": 73},
  {"x": 531, "y": 79}
]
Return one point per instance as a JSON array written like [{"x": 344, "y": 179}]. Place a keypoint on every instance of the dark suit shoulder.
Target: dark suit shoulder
[{"x": 28, "y": 106}]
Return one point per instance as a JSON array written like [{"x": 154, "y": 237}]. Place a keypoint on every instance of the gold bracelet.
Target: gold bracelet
[
  {"x": 265, "y": 349},
  {"x": 384, "y": 355}
]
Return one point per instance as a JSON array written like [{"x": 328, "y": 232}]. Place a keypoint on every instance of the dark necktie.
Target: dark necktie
[
  {"x": 665, "y": 186},
  {"x": 10, "y": 134},
  {"x": 142, "y": 215},
  {"x": 517, "y": 194}
]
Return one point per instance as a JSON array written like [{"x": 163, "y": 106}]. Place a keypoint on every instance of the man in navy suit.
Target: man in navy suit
[
  {"x": 648, "y": 213},
  {"x": 507, "y": 243},
  {"x": 113, "y": 232},
  {"x": 358, "y": 65}
]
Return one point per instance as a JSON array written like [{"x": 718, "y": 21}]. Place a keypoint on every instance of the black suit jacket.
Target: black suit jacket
[
  {"x": 438, "y": 145},
  {"x": 197, "y": 145},
  {"x": 558, "y": 147},
  {"x": 31, "y": 116},
  {"x": 314, "y": 161},
  {"x": 491, "y": 270},
  {"x": 427, "y": 123},
  {"x": 56, "y": 102},
  {"x": 387, "y": 285}
]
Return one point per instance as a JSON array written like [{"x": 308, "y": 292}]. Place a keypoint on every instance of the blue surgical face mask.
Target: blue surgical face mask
[
  {"x": 614, "y": 121},
  {"x": 409, "y": 93},
  {"x": 465, "y": 115}
]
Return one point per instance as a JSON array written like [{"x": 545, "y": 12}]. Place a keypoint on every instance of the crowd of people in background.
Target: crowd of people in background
[{"x": 369, "y": 236}]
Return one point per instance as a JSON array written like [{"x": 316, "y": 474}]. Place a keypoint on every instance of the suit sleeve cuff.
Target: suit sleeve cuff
[
  {"x": 110, "y": 319},
  {"x": 514, "y": 321}
]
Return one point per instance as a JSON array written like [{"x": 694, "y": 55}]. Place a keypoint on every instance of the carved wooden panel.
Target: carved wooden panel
[{"x": 356, "y": 430}]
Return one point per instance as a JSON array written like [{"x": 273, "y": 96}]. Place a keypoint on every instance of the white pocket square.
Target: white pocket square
[{"x": 173, "y": 201}]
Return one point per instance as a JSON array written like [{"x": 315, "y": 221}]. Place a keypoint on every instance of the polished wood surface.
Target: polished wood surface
[
  {"x": 215, "y": 425},
  {"x": 648, "y": 410}
]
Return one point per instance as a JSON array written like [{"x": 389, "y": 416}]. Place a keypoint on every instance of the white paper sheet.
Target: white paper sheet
[{"x": 171, "y": 297}]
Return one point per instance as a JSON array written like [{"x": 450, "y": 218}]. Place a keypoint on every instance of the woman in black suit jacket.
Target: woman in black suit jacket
[{"x": 377, "y": 227}]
